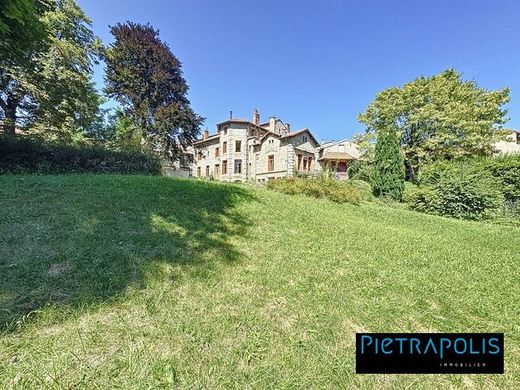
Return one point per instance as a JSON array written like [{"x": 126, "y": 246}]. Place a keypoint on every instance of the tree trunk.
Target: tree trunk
[{"x": 10, "y": 116}]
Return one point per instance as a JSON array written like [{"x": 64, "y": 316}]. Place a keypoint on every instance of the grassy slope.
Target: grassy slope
[{"x": 137, "y": 282}]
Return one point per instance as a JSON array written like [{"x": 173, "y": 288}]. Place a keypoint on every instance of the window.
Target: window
[
  {"x": 224, "y": 147},
  {"x": 238, "y": 165},
  {"x": 207, "y": 170},
  {"x": 304, "y": 138},
  {"x": 217, "y": 151},
  {"x": 198, "y": 171},
  {"x": 224, "y": 167},
  {"x": 270, "y": 163},
  {"x": 216, "y": 170},
  {"x": 238, "y": 145}
]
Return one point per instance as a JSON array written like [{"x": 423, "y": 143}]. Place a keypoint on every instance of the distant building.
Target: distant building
[
  {"x": 510, "y": 146},
  {"x": 253, "y": 151},
  {"x": 182, "y": 165}
]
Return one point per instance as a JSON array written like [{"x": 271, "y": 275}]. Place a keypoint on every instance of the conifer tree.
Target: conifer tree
[{"x": 388, "y": 172}]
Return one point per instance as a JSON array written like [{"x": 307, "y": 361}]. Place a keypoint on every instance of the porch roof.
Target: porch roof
[{"x": 338, "y": 156}]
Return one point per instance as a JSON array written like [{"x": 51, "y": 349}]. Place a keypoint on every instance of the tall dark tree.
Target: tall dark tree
[
  {"x": 388, "y": 169},
  {"x": 145, "y": 77}
]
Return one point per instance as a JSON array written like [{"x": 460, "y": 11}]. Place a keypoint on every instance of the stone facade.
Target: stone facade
[
  {"x": 181, "y": 166},
  {"x": 252, "y": 151}
]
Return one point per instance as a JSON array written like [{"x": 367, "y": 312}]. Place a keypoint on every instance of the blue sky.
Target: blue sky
[{"x": 319, "y": 64}]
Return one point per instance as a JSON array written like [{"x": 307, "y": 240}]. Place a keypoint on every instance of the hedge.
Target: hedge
[
  {"x": 465, "y": 189},
  {"x": 21, "y": 155},
  {"x": 348, "y": 191}
]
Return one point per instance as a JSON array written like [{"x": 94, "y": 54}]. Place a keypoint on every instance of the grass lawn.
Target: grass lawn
[{"x": 150, "y": 282}]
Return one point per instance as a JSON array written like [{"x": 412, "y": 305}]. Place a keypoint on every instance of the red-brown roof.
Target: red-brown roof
[
  {"x": 337, "y": 156},
  {"x": 289, "y": 135},
  {"x": 211, "y": 137}
]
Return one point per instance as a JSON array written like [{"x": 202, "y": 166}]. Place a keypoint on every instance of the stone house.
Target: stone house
[
  {"x": 181, "y": 166},
  {"x": 244, "y": 150}
]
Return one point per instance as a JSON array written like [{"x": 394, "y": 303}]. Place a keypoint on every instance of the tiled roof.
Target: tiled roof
[
  {"x": 211, "y": 137},
  {"x": 290, "y": 135},
  {"x": 337, "y": 156},
  {"x": 236, "y": 120}
]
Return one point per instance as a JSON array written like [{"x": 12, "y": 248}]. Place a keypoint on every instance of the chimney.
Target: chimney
[
  {"x": 272, "y": 121},
  {"x": 206, "y": 134},
  {"x": 288, "y": 127},
  {"x": 230, "y": 115},
  {"x": 256, "y": 117}
]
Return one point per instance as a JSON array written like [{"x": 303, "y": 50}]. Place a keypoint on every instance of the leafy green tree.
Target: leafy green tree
[
  {"x": 439, "y": 117},
  {"x": 22, "y": 36},
  {"x": 54, "y": 94},
  {"x": 146, "y": 78},
  {"x": 21, "y": 31},
  {"x": 67, "y": 101},
  {"x": 388, "y": 168}
]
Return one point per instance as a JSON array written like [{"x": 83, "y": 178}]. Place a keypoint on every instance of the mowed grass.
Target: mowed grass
[{"x": 150, "y": 282}]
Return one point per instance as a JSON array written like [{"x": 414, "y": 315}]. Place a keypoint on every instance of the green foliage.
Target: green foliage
[
  {"x": 345, "y": 191},
  {"x": 27, "y": 156},
  {"x": 506, "y": 169},
  {"x": 360, "y": 170},
  {"x": 145, "y": 77},
  {"x": 460, "y": 190},
  {"x": 439, "y": 117},
  {"x": 21, "y": 31},
  {"x": 66, "y": 101},
  {"x": 52, "y": 92},
  {"x": 388, "y": 168}
]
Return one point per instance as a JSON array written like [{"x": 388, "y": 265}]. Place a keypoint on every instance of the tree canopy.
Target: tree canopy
[
  {"x": 51, "y": 92},
  {"x": 439, "y": 117},
  {"x": 21, "y": 30},
  {"x": 144, "y": 76}
]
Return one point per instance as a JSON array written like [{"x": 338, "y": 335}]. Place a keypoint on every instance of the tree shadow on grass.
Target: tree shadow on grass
[{"x": 78, "y": 240}]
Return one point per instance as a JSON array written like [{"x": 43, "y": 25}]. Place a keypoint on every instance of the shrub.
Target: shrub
[
  {"x": 337, "y": 191},
  {"x": 31, "y": 156},
  {"x": 506, "y": 169},
  {"x": 363, "y": 186},
  {"x": 460, "y": 190},
  {"x": 360, "y": 170}
]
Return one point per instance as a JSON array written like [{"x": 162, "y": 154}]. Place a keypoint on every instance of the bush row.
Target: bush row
[
  {"x": 348, "y": 191},
  {"x": 30, "y": 156},
  {"x": 471, "y": 189}
]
